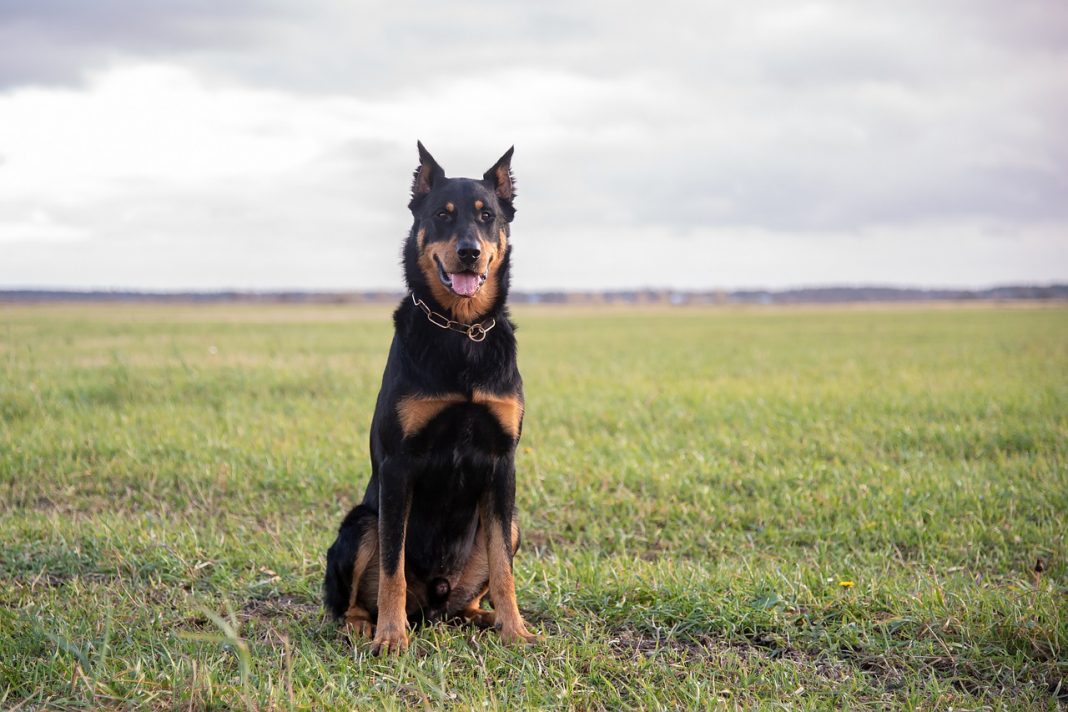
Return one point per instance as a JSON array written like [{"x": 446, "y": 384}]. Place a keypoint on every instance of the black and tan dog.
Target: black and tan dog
[{"x": 436, "y": 530}]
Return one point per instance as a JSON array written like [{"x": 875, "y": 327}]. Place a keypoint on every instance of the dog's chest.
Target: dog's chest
[{"x": 417, "y": 414}]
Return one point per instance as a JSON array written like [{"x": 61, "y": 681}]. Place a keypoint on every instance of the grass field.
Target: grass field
[{"x": 756, "y": 508}]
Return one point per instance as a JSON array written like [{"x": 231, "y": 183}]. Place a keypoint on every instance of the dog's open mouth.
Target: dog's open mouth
[{"x": 463, "y": 284}]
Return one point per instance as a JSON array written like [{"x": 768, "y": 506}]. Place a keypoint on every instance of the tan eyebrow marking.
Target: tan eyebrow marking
[
  {"x": 450, "y": 207},
  {"x": 479, "y": 205}
]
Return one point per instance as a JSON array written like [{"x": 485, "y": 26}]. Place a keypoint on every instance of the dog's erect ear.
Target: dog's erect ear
[
  {"x": 500, "y": 177},
  {"x": 426, "y": 175}
]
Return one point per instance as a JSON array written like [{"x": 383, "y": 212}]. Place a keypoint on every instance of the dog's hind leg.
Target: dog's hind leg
[
  {"x": 473, "y": 583},
  {"x": 352, "y": 571},
  {"x": 364, "y": 584},
  {"x": 465, "y": 599}
]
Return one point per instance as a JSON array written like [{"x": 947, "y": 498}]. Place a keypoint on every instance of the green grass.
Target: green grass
[{"x": 694, "y": 488}]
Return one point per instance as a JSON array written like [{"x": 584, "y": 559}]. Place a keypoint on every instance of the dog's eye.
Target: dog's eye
[
  {"x": 442, "y": 215},
  {"x": 486, "y": 216}
]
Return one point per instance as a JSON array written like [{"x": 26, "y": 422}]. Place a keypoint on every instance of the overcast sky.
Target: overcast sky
[{"x": 262, "y": 145}]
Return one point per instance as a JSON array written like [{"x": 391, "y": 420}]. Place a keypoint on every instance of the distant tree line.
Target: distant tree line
[{"x": 807, "y": 295}]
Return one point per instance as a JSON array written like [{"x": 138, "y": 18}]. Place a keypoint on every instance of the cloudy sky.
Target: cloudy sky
[{"x": 262, "y": 145}]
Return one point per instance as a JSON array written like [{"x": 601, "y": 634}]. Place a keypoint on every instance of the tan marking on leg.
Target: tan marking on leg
[
  {"x": 477, "y": 569},
  {"x": 391, "y": 633},
  {"x": 358, "y": 623},
  {"x": 502, "y": 582},
  {"x": 357, "y": 618},
  {"x": 476, "y": 615},
  {"x": 472, "y": 585},
  {"x": 415, "y": 412},
  {"x": 507, "y": 409}
]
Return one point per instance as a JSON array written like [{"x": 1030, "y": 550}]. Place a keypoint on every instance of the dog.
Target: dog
[{"x": 436, "y": 531}]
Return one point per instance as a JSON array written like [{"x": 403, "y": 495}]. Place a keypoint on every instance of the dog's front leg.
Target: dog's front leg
[
  {"x": 391, "y": 631},
  {"x": 497, "y": 510}
]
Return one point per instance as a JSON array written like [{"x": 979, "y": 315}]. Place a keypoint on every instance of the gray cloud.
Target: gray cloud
[{"x": 798, "y": 119}]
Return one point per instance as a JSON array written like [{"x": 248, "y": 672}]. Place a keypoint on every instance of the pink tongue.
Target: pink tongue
[{"x": 464, "y": 283}]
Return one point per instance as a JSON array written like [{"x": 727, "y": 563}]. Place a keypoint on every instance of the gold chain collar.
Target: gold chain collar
[{"x": 475, "y": 332}]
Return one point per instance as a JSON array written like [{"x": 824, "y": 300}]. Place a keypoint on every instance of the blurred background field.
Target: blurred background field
[{"x": 810, "y": 506}]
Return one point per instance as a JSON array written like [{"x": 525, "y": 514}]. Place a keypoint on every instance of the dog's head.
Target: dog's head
[{"x": 457, "y": 251}]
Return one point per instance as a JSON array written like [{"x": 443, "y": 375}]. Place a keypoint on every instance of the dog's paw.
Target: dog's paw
[
  {"x": 480, "y": 617},
  {"x": 389, "y": 640},
  {"x": 359, "y": 628},
  {"x": 518, "y": 636},
  {"x": 358, "y": 623}
]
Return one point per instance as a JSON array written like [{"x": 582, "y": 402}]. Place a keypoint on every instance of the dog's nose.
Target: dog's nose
[{"x": 468, "y": 251}]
